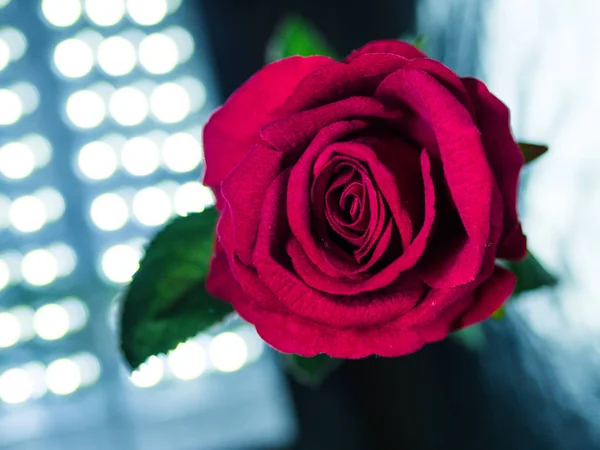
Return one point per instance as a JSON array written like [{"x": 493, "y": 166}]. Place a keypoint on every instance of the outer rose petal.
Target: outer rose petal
[
  {"x": 506, "y": 161},
  {"x": 234, "y": 128},
  {"x": 342, "y": 81},
  {"x": 244, "y": 190},
  {"x": 446, "y": 77},
  {"x": 220, "y": 282},
  {"x": 294, "y": 334},
  {"x": 489, "y": 297},
  {"x": 465, "y": 166},
  {"x": 388, "y": 46}
]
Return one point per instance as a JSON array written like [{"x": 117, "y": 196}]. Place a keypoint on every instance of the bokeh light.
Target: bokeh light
[
  {"x": 86, "y": 109},
  {"x": 5, "y": 203},
  {"x": 17, "y": 43},
  {"x": 128, "y": 106},
  {"x": 73, "y": 58},
  {"x": 147, "y": 12},
  {"x": 12, "y": 107},
  {"x": 40, "y": 147},
  {"x": 105, "y": 13},
  {"x": 140, "y": 156},
  {"x": 29, "y": 95},
  {"x": 61, "y": 13},
  {"x": 120, "y": 262},
  {"x": 116, "y": 56},
  {"x": 28, "y": 214},
  {"x": 39, "y": 267},
  {"x": 173, "y": 5},
  {"x": 228, "y": 352},
  {"x": 24, "y": 315},
  {"x": 97, "y": 160},
  {"x": 152, "y": 206},
  {"x": 4, "y": 274},
  {"x": 92, "y": 37},
  {"x": 182, "y": 152},
  {"x": 89, "y": 367},
  {"x": 63, "y": 377},
  {"x": 187, "y": 361},
  {"x": 53, "y": 201},
  {"x": 196, "y": 90},
  {"x": 10, "y": 330},
  {"x": 109, "y": 212},
  {"x": 15, "y": 386},
  {"x": 13, "y": 260},
  {"x": 66, "y": 258},
  {"x": 4, "y": 54},
  {"x": 77, "y": 311},
  {"x": 192, "y": 197},
  {"x": 17, "y": 160},
  {"x": 170, "y": 103},
  {"x": 51, "y": 322},
  {"x": 149, "y": 374},
  {"x": 184, "y": 41},
  {"x": 158, "y": 53},
  {"x": 37, "y": 374}
]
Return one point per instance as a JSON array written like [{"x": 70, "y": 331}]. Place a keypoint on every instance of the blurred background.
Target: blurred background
[{"x": 102, "y": 104}]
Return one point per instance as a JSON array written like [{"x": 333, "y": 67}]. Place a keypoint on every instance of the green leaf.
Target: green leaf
[
  {"x": 420, "y": 42},
  {"x": 532, "y": 151},
  {"x": 311, "y": 371},
  {"x": 500, "y": 313},
  {"x": 166, "y": 302},
  {"x": 297, "y": 36},
  {"x": 530, "y": 274},
  {"x": 473, "y": 337}
]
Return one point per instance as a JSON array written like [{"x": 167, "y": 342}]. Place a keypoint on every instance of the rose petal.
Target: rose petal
[
  {"x": 452, "y": 308},
  {"x": 295, "y": 132},
  {"x": 243, "y": 276},
  {"x": 290, "y": 333},
  {"x": 220, "y": 283},
  {"x": 299, "y": 207},
  {"x": 273, "y": 268},
  {"x": 300, "y": 217},
  {"x": 489, "y": 297},
  {"x": 402, "y": 160},
  {"x": 384, "y": 180},
  {"x": 234, "y": 128},
  {"x": 316, "y": 272},
  {"x": 446, "y": 77},
  {"x": 354, "y": 284},
  {"x": 244, "y": 190},
  {"x": 377, "y": 208},
  {"x": 506, "y": 161},
  {"x": 401, "y": 48},
  {"x": 347, "y": 210},
  {"x": 438, "y": 310},
  {"x": 341, "y": 80},
  {"x": 293, "y": 334},
  {"x": 322, "y": 196},
  {"x": 465, "y": 167}
]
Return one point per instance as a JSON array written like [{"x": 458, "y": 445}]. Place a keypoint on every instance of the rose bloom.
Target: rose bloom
[{"x": 363, "y": 203}]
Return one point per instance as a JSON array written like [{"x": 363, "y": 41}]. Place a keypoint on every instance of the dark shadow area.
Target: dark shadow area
[{"x": 238, "y": 30}]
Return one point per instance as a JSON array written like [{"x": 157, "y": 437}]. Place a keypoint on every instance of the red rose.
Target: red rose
[{"x": 363, "y": 203}]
